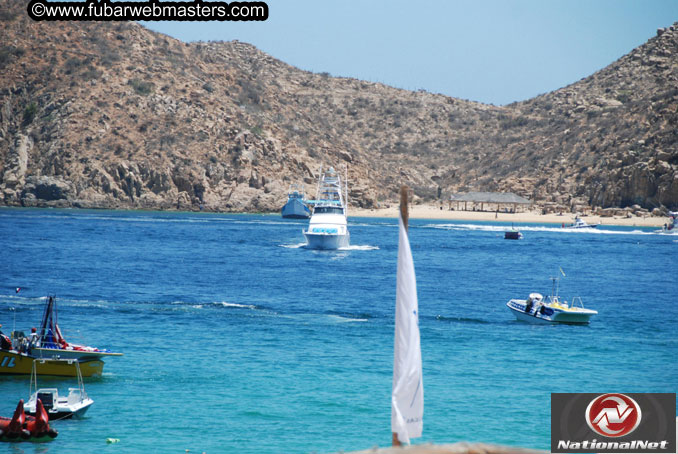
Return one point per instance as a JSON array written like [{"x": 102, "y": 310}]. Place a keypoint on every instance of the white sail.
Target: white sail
[{"x": 407, "y": 398}]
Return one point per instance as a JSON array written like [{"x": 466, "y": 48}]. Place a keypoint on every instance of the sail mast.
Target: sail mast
[
  {"x": 404, "y": 216},
  {"x": 407, "y": 396},
  {"x": 46, "y": 315},
  {"x": 404, "y": 209}
]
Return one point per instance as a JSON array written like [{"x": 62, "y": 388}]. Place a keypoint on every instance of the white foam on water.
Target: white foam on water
[
  {"x": 100, "y": 304},
  {"x": 217, "y": 304},
  {"x": 84, "y": 303},
  {"x": 293, "y": 246},
  {"x": 23, "y": 299},
  {"x": 40, "y": 301},
  {"x": 372, "y": 224},
  {"x": 600, "y": 230},
  {"x": 478, "y": 227},
  {"x": 264, "y": 222},
  {"x": 242, "y": 306},
  {"x": 341, "y": 319},
  {"x": 359, "y": 247},
  {"x": 310, "y": 318}
]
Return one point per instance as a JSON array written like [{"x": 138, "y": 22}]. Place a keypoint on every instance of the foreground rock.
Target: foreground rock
[{"x": 456, "y": 448}]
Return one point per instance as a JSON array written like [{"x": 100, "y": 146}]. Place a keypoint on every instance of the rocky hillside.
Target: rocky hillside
[{"x": 113, "y": 115}]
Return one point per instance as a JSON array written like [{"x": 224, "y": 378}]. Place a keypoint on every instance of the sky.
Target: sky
[{"x": 491, "y": 51}]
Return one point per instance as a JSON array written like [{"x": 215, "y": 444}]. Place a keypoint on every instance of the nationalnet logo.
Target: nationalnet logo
[
  {"x": 613, "y": 423},
  {"x": 613, "y": 415}
]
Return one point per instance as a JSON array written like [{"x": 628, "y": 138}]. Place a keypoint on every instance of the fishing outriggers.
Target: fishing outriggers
[{"x": 328, "y": 228}]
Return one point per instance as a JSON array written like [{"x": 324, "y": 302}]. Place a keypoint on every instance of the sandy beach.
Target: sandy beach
[{"x": 435, "y": 213}]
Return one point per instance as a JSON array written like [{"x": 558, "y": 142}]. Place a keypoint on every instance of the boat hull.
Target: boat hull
[
  {"x": 295, "y": 209},
  {"x": 512, "y": 235},
  {"x": 530, "y": 318},
  {"x": 59, "y": 415},
  {"x": 55, "y": 415},
  {"x": 326, "y": 241},
  {"x": 14, "y": 363},
  {"x": 579, "y": 224},
  {"x": 58, "y": 353}
]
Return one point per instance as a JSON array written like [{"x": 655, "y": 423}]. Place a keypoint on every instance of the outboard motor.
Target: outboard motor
[
  {"x": 47, "y": 400},
  {"x": 536, "y": 297}
]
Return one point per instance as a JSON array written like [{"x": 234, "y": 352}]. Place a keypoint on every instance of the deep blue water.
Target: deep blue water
[{"x": 236, "y": 339}]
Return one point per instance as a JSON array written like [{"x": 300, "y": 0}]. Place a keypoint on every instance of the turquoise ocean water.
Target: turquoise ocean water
[{"x": 238, "y": 339}]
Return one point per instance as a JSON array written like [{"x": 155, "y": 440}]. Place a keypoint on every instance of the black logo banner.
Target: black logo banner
[{"x": 613, "y": 423}]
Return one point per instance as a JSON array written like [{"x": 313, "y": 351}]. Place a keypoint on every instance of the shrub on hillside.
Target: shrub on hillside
[
  {"x": 29, "y": 113},
  {"x": 141, "y": 87},
  {"x": 7, "y": 53}
]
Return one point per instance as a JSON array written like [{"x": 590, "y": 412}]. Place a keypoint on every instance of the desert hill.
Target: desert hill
[{"x": 113, "y": 115}]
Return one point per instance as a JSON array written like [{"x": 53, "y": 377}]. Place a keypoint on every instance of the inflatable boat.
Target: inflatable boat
[{"x": 27, "y": 428}]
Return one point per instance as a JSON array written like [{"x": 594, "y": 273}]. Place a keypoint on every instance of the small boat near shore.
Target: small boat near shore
[
  {"x": 535, "y": 309},
  {"x": 327, "y": 228},
  {"x": 579, "y": 223},
  {"x": 513, "y": 234},
  {"x": 672, "y": 225}
]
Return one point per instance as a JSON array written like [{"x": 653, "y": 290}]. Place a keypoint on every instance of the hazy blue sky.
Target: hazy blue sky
[{"x": 493, "y": 51}]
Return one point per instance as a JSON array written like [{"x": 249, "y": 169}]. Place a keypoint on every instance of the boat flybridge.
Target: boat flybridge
[
  {"x": 554, "y": 310},
  {"x": 328, "y": 228}
]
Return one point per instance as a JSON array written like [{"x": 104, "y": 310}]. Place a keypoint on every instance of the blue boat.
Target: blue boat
[{"x": 295, "y": 208}]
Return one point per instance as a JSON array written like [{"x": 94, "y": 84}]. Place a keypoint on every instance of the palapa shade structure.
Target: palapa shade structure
[{"x": 498, "y": 200}]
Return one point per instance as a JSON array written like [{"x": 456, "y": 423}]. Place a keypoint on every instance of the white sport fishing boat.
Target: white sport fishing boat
[
  {"x": 579, "y": 223},
  {"x": 74, "y": 405},
  {"x": 535, "y": 310},
  {"x": 327, "y": 228}
]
